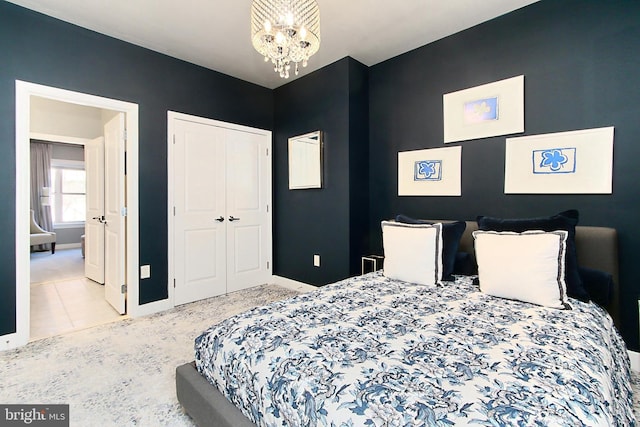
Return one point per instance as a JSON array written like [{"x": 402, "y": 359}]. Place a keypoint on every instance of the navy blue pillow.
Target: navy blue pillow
[
  {"x": 464, "y": 264},
  {"x": 451, "y": 234},
  {"x": 598, "y": 283},
  {"x": 566, "y": 220}
]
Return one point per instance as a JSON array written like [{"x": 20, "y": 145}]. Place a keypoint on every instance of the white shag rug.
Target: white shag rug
[{"x": 122, "y": 373}]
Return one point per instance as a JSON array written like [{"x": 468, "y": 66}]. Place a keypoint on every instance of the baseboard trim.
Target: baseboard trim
[
  {"x": 293, "y": 284},
  {"x": 68, "y": 246},
  {"x": 11, "y": 341},
  {"x": 149, "y": 308}
]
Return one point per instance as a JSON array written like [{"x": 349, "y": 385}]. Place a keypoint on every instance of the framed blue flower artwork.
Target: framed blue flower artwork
[
  {"x": 481, "y": 110},
  {"x": 575, "y": 162},
  {"x": 427, "y": 170},
  {"x": 554, "y": 160},
  {"x": 430, "y": 172},
  {"x": 484, "y": 111}
]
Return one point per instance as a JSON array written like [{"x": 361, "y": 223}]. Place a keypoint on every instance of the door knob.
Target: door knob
[
  {"x": 233, "y": 218},
  {"x": 100, "y": 219},
  {"x": 220, "y": 218}
]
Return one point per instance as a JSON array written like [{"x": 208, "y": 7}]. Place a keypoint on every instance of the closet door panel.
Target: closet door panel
[
  {"x": 247, "y": 256},
  {"x": 200, "y": 236},
  {"x": 248, "y": 198}
]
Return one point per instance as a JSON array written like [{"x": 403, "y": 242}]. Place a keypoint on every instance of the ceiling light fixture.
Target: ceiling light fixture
[{"x": 285, "y": 32}]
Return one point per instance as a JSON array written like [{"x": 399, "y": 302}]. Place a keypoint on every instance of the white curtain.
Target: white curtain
[{"x": 41, "y": 177}]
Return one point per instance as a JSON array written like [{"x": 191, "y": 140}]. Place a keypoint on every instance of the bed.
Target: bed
[{"x": 374, "y": 350}]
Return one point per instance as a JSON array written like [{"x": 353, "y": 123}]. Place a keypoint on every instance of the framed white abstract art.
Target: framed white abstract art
[
  {"x": 430, "y": 172},
  {"x": 575, "y": 162},
  {"x": 488, "y": 110}
]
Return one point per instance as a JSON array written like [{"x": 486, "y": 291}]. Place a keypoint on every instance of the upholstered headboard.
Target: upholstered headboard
[{"x": 596, "y": 247}]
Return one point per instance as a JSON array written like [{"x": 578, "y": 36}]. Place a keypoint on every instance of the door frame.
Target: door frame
[
  {"x": 24, "y": 92},
  {"x": 171, "y": 117}
]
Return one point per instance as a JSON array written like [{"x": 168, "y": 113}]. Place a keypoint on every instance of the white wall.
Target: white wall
[{"x": 60, "y": 118}]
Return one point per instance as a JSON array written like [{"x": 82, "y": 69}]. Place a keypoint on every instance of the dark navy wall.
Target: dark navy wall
[
  {"x": 43, "y": 50},
  {"x": 319, "y": 221},
  {"x": 580, "y": 61},
  {"x": 358, "y": 164}
]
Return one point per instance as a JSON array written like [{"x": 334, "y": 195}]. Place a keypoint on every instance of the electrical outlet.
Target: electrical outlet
[
  {"x": 316, "y": 260},
  {"x": 145, "y": 271}
]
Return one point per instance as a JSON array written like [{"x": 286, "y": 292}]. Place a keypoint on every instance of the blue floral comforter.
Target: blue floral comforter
[{"x": 370, "y": 351}]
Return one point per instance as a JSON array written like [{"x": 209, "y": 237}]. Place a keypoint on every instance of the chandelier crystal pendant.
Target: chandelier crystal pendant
[{"x": 286, "y": 32}]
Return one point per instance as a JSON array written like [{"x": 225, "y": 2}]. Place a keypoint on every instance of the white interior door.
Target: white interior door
[
  {"x": 94, "y": 225},
  {"x": 199, "y": 211},
  {"x": 248, "y": 198},
  {"x": 114, "y": 205}
]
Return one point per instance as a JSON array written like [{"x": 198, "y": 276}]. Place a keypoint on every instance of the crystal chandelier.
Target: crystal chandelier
[{"x": 285, "y": 32}]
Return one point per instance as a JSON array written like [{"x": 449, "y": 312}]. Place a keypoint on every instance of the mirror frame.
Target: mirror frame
[{"x": 306, "y": 162}]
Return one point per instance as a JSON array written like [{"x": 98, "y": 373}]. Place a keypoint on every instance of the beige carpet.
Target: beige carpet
[
  {"x": 64, "y": 264},
  {"x": 122, "y": 373}
]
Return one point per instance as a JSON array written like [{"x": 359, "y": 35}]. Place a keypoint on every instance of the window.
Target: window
[{"x": 68, "y": 185}]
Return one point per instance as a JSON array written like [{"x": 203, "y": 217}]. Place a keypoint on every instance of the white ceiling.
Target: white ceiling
[{"x": 215, "y": 33}]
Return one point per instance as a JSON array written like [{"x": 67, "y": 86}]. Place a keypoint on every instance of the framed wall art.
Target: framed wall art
[
  {"x": 575, "y": 162},
  {"x": 488, "y": 110},
  {"x": 430, "y": 172}
]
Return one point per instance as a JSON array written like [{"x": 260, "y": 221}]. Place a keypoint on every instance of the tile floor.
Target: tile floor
[{"x": 62, "y": 304}]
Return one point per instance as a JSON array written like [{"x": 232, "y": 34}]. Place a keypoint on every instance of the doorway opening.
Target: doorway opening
[
  {"x": 67, "y": 158},
  {"x": 128, "y": 279}
]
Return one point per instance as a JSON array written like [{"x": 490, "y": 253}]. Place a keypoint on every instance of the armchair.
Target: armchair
[{"x": 40, "y": 236}]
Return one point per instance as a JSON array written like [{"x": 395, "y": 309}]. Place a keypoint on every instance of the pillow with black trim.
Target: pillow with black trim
[
  {"x": 598, "y": 283},
  {"x": 527, "y": 266},
  {"x": 412, "y": 252},
  {"x": 451, "y": 234},
  {"x": 567, "y": 221}
]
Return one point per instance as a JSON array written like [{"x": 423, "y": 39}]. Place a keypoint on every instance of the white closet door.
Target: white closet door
[
  {"x": 200, "y": 217},
  {"x": 248, "y": 213}
]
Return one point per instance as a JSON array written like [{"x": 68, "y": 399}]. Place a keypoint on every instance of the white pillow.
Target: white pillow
[
  {"x": 526, "y": 266},
  {"x": 412, "y": 252}
]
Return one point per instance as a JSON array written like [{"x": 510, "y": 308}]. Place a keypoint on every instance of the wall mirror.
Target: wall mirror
[{"x": 305, "y": 161}]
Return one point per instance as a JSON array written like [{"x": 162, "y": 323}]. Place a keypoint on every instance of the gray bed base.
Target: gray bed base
[
  {"x": 597, "y": 248},
  {"x": 204, "y": 403}
]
